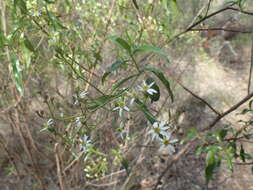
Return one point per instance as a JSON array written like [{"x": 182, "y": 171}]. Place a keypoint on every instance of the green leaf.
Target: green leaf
[
  {"x": 210, "y": 157},
  {"x": 50, "y": 1},
  {"x": 28, "y": 44},
  {"x": 115, "y": 66},
  {"x": 210, "y": 165},
  {"x": 22, "y": 5},
  {"x": 242, "y": 154},
  {"x": 244, "y": 111},
  {"x": 3, "y": 40},
  {"x": 54, "y": 20},
  {"x": 121, "y": 82},
  {"x": 221, "y": 134},
  {"x": 122, "y": 43},
  {"x": 191, "y": 133},
  {"x": 125, "y": 165},
  {"x": 152, "y": 49},
  {"x": 162, "y": 78},
  {"x": 209, "y": 171},
  {"x": 229, "y": 162},
  {"x": 156, "y": 96},
  {"x": 100, "y": 101},
  {"x": 145, "y": 110},
  {"x": 200, "y": 150},
  {"x": 17, "y": 75}
]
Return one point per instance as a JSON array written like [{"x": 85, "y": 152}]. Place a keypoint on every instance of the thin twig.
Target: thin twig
[
  {"x": 208, "y": 7},
  {"x": 59, "y": 172},
  {"x": 251, "y": 67},
  {"x": 196, "y": 96},
  {"x": 223, "y": 29},
  {"x": 231, "y": 109},
  {"x": 241, "y": 11}
]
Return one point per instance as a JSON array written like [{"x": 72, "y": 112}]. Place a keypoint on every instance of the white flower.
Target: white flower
[
  {"x": 78, "y": 122},
  {"x": 132, "y": 95},
  {"x": 76, "y": 102},
  {"x": 85, "y": 143},
  {"x": 167, "y": 143},
  {"x": 50, "y": 122},
  {"x": 121, "y": 107},
  {"x": 83, "y": 94},
  {"x": 146, "y": 88},
  {"x": 158, "y": 130}
]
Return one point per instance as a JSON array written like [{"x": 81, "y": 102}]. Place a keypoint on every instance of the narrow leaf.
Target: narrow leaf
[
  {"x": 121, "y": 82},
  {"x": 146, "y": 112},
  {"x": 17, "y": 75},
  {"x": 122, "y": 43},
  {"x": 152, "y": 49},
  {"x": 115, "y": 66},
  {"x": 28, "y": 44}
]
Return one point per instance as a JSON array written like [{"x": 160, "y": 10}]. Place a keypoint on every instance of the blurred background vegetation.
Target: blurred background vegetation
[{"x": 65, "y": 67}]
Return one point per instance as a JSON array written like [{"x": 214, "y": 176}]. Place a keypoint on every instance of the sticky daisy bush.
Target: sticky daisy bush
[{"x": 93, "y": 67}]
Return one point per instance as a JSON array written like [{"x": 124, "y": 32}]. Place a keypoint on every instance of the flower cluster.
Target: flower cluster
[{"x": 160, "y": 131}]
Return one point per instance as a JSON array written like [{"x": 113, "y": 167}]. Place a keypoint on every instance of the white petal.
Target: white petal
[
  {"x": 164, "y": 133},
  {"x": 162, "y": 123},
  {"x": 151, "y": 84},
  {"x": 132, "y": 101},
  {"x": 174, "y": 140},
  {"x": 120, "y": 112},
  {"x": 114, "y": 109},
  {"x": 126, "y": 108},
  {"x": 155, "y": 124},
  {"x": 165, "y": 128},
  {"x": 171, "y": 148},
  {"x": 50, "y": 121},
  {"x": 151, "y": 91}
]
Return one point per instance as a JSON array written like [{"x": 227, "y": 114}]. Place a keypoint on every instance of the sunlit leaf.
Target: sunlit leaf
[
  {"x": 17, "y": 75},
  {"x": 229, "y": 162},
  {"x": 210, "y": 165},
  {"x": 122, "y": 43},
  {"x": 152, "y": 49}
]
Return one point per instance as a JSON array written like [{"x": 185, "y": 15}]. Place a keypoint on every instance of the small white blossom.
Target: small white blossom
[
  {"x": 83, "y": 94},
  {"x": 167, "y": 143},
  {"x": 132, "y": 95},
  {"x": 158, "y": 130},
  {"x": 78, "y": 122},
  {"x": 50, "y": 122},
  {"x": 146, "y": 88},
  {"x": 76, "y": 103},
  {"x": 85, "y": 143},
  {"x": 121, "y": 107}
]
